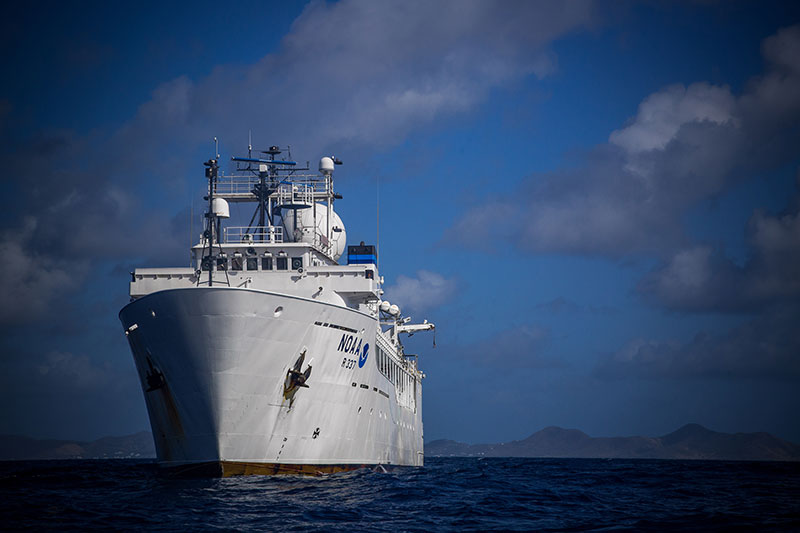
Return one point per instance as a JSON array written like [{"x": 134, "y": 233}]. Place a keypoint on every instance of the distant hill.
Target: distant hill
[
  {"x": 692, "y": 441},
  {"x": 138, "y": 445}
]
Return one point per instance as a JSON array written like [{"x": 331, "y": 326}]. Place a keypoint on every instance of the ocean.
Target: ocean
[{"x": 448, "y": 494}]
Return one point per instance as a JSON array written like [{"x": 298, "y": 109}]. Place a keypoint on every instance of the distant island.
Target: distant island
[
  {"x": 18, "y": 448},
  {"x": 692, "y": 441}
]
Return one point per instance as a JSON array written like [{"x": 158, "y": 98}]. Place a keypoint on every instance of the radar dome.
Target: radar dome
[
  {"x": 220, "y": 208},
  {"x": 306, "y": 225},
  {"x": 326, "y": 166}
]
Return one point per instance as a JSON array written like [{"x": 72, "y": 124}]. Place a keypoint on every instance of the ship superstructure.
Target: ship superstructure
[{"x": 267, "y": 355}]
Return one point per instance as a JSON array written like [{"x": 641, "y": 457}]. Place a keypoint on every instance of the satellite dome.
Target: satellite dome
[
  {"x": 326, "y": 166},
  {"x": 310, "y": 227},
  {"x": 220, "y": 208}
]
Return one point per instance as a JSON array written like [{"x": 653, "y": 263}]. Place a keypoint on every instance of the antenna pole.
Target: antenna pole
[{"x": 377, "y": 223}]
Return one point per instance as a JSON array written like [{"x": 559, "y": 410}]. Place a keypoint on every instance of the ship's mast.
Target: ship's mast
[
  {"x": 211, "y": 233},
  {"x": 263, "y": 189}
]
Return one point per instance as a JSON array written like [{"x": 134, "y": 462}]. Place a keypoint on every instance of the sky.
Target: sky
[{"x": 597, "y": 203}]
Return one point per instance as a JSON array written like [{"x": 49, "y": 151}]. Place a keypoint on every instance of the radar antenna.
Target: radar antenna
[{"x": 268, "y": 183}]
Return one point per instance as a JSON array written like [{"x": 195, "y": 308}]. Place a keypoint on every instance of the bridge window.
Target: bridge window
[
  {"x": 222, "y": 263},
  {"x": 266, "y": 263},
  {"x": 282, "y": 263},
  {"x": 252, "y": 263},
  {"x": 297, "y": 263},
  {"x": 237, "y": 262}
]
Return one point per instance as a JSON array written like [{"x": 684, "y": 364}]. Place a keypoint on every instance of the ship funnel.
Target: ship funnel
[
  {"x": 220, "y": 208},
  {"x": 326, "y": 166}
]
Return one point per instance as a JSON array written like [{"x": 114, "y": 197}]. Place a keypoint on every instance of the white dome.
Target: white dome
[
  {"x": 307, "y": 231},
  {"x": 326, "y": 166},
  {"x": 220, "y": 208}
]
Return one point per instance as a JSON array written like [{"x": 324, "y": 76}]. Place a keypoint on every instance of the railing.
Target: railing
[
  {"x": 238, "y": 185},
  {"x": 291, "y": 190},
  {"x": 298, "y": 194},
  {"x": 322, "y": 243},
  {"x": 257, "y": 234}
]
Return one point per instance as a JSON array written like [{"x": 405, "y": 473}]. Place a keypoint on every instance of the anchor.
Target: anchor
[
  {"x": 296, "y": 379},
  {"x": 155, "y": 379}
]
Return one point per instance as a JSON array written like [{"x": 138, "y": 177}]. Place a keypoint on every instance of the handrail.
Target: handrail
[{"x": 256, "y": 234}]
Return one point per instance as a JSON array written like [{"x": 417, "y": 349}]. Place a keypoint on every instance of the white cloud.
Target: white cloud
[
  {"x": 517, "y": 347},
  {"x": 426, "y": 291},
  {"x": 688, "y": 270},
  {"x": 366, "y": 73},
  {"x": 783, "y": 48},
  {"x": 30, "y": 281},
  {"x": 700, "y": 278},
  {"x": 76, "y": 371},
  {"x": 764, "y": 347},
  {"x": 630, "y": 195},
  {"x": 662, "y": 114}
]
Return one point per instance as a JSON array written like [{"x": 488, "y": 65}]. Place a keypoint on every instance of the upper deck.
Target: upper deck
[
  {"x": 298, "y": 269},
  {"x": 291, "y": 245}
]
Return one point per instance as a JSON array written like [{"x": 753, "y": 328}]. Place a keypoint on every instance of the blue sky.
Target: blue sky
[{"x": 596, "y": 203}]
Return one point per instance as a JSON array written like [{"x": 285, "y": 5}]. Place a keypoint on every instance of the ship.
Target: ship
[{"x": 266, "y": 355}]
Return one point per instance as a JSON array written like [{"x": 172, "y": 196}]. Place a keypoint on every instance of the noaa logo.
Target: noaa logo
[{"x": 352, "y": 345}]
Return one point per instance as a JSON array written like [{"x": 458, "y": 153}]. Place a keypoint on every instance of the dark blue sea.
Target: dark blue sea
[{"x": 449, "y": 494}]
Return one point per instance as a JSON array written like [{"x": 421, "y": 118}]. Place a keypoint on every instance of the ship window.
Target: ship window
[
  {"x": 297, "y": 263},
  {"x": 370, "y": 274},
  {"x": 266, "y": 263},
  {"x": 237, "y": 262},
  {"x": 252, "y": 263},
  {"x": 282, "y": 263},
  {"x": 222, "y": 263},
  {"x": 205, "y": 263}
]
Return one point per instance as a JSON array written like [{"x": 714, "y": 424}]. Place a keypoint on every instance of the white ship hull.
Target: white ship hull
[{"x": 224, "y": 354}]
